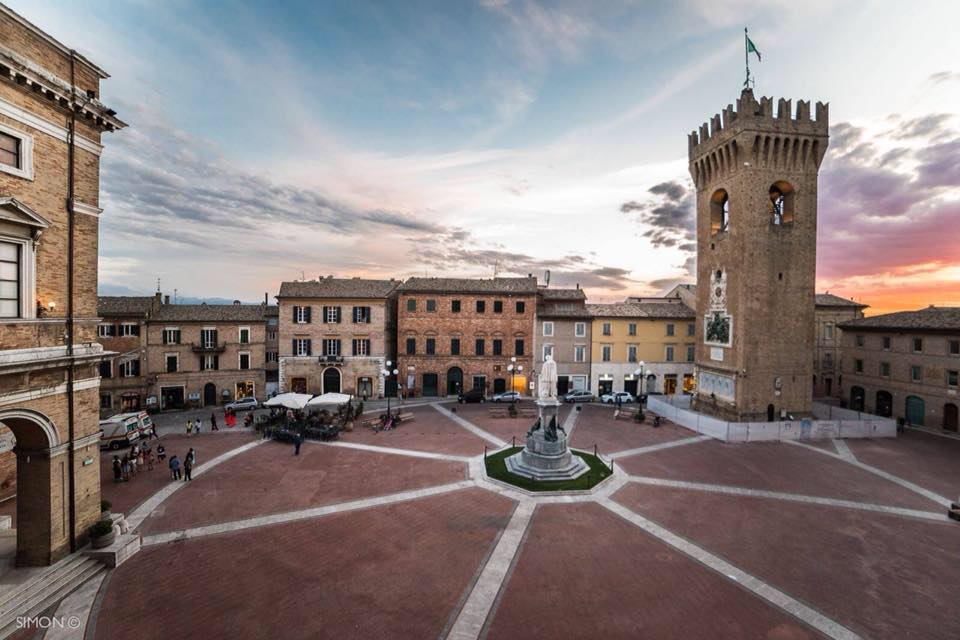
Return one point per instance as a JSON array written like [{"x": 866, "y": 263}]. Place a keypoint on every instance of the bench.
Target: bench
[
  {"x": 405, "y": 417},
  {"x": 625, "y": 414},
  {"x": 498, "y": 412},
  {"x": 528, "y": 412}
]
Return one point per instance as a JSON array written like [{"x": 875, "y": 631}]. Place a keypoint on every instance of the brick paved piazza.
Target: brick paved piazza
[{"x": 399, "y": 535}]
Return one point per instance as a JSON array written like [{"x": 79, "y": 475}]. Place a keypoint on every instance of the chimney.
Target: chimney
[
  {"x": 266, "y": 299},
  {"x": 236, "y": 303},
  {"x": 166, "y": 299}
]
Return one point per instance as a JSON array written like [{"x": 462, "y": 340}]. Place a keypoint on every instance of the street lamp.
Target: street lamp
[
  {"x": 386, "y": 373},
  {"x": 639, "y": 372},
  {"x": 514, "y": 369}
]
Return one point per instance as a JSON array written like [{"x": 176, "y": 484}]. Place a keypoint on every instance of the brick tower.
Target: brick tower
[{"x": 756, "y": 179}]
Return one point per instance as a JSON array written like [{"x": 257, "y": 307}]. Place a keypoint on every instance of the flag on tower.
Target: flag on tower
[{"x": 752, "y": 48}]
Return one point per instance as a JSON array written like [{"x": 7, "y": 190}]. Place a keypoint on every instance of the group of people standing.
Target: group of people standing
[
  {"x": 138, "y": 460},
  {"x": 189, "y": 461}
]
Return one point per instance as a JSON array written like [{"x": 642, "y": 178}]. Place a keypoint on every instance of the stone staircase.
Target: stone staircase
[{"x": 37, "y": 590}]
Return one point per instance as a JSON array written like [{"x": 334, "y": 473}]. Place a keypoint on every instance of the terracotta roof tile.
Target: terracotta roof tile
[
  {"x": 929, "y": 319},
  {"x": 338, "y": 288}
]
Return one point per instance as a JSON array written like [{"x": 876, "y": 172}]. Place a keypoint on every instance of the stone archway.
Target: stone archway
[
  {"x": 42, "y": 505},
  {"x": 331, "y": 380}
]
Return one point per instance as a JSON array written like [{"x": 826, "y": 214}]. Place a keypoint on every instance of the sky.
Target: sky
[{"x": 273, "y": 141}]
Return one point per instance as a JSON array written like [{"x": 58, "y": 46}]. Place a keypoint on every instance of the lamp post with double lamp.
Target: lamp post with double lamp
[
  {"x": 514, "y": 369},
  {"x": 639, "y": 372},
  {"x": 386, "y": 373}
]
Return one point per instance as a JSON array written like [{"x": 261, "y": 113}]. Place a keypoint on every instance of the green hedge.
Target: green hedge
[{"x": 497, "y": 469}]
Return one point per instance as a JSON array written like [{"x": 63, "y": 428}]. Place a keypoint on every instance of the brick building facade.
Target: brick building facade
[
  {"x": 51, "y": 121},
  {"x": 124, "y": 384},
  {"x": 830, "y": 312},
  {"x": 905, "y": 365},
  {"x": 336, "y": 335},
  {"x": 563, "y": 331},
  {"x": 460, "y": 333}
]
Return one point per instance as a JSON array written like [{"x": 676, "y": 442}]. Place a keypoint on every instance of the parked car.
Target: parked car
[
  {"x": 581, "y": 395},
  {"x": 243, "y": 404},
  {"x": 506, "y": 396},
  {"x": 611, "y": 398},
  {"x": 474, "y": 395},
  {"x": 116, "y": 432}
]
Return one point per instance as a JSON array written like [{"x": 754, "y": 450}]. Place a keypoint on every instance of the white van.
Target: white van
[{"x": 119, "y": 431}]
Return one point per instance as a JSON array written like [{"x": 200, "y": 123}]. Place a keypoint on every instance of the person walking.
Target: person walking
[
  {"x": 192, "y": 456},
  {"x": 125, "y": 468},
  {"x": 189, "y": 427},
  {"x": 297, "y": 441},
  {"x": 161, "y": 453},
  {"x": 117, "y": 469},
  {"x": 175, "y": 467},
  {"x": 187, "y": 469},
  {"x": 149, "y": 455},
  {"x": 197, "y": 425},
  {"x": 213, "y": 422}
]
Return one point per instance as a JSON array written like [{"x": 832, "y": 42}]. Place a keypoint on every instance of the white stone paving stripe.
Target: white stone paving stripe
[
  {"x": 469, "y": 426},
  {"x": 303, "y": 514},
  {"x": 413, "y": 453},
  {"x": 791, "y": 497},
  {"x": 473, "y": 615},
  {"x": 571, "y": 422},
  {"x": 753, "y": 584},
  {"x": 659, "y": 447},
  {"x": 138, "y": 515},
  {"x": 906, "y": 484},
  {"x": 79, "y": 605},
  {"x": 843, "y": 450}
]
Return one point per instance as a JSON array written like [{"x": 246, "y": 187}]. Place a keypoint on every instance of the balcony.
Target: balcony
[
  {"x": 330, "y": 359},
  {"x": 208, "y": 347}
]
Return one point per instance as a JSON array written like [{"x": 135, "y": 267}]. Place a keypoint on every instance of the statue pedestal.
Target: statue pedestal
[{"x": 544, "y": 459}]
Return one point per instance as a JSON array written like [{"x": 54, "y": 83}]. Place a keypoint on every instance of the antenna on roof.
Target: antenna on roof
[
  {"x": 496, "y": 268},
  {"x": 158, "y": 285},
  {"x": 174, "y": 296}
]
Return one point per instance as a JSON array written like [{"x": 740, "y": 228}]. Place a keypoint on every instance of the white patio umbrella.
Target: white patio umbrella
[
  {"x": 330, "y": 399},
  {"x": 289, "y": 400}
]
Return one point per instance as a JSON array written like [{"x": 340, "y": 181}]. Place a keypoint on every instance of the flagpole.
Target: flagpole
[{"x": 746, "y": 57}]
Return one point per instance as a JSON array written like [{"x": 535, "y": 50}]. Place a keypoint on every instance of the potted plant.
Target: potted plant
[
  {"x": 102, "y": 534},
  {"x": 105, "y": 509}
]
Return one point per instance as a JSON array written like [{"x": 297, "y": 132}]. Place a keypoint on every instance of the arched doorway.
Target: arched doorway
[
  {"x": 950, "y": 418},
  {"x": 43, "y": 495},
  {"x": 884, "y": 404},
  {"x": 331, "y": 380},
  {"x": 857, "y": 396},
  {"x": 915, "y": 410},
  {"x": 209, "y": 394},
  {"x": 454, "y": 380}
]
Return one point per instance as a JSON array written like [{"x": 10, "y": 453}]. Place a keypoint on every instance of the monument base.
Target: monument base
[{"x": 544, "y": 459}]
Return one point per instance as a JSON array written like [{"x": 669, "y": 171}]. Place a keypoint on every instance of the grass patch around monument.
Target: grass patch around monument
[{"x": 497, "y": 469}]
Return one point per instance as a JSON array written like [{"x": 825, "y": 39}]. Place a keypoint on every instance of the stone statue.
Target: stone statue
[
  {"x": 548, "y": 380},
  {"x": 550, "y": 432},
  {"x": 535, "y": 427}
]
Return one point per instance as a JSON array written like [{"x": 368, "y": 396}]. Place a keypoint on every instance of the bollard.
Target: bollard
[
  {"x": 484, "y": 453},
  {"x": 513, "y": 441}
]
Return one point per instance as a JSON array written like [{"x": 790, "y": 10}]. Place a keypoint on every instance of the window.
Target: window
[
  {"x": 431, "y": 305},
  {"x": 521, "y": 306},
  {"x": 498, "y": 306},
  {"x": 580, "y": 330},
  {"x": 301, "y": 315},
  {"x": 886, "y": 343},
  {"x": 860, "y": 341},
  {"x": 16, "y": 152},
  {"x": 828, "y": 331},
  {"x": 173, "y": 362},
  {"x": 171, "y": 335},
  {"x": 331, "y": 315},
  {"x": 302, "y": 347},
  {"x": 580, "y": 353},
  {"x": 103, "y": 330},
  {"x": 455, "y": 346},
  {"x": 670, "y": 328},
  {"x": 208, "y": 338},
  {"x": 631, "y": 329},
  {"x": 331, "y": 347},
  {"x": 858, "y": 365},
  {"x": 244, "y": 335},
  {"x": 828, "y": 361},
  {"x": 719, "y": 212},
  {"x": 669, "y": 353},
  {"x": 129, "y": 329},
  {"x": 692, "y": 329},
  {"x": 497, "y": 347},
  {"x": 361, "y": 315},
  {"x": 361, "y": 346},
  {"x": 884, "y": 369},
  {"x": 455, "y": 306},
  {"x": 548, "y": 329},
  {"x": 916, "y": 373},
  {"x": 209, "y": 362},
  {"x": 244, "y": 360},
  {"x": 411, "y": 346},
  {"x": 479, "y": 347},
  {"x": 271, "y": 356},
  {"x": 954, "y": 347},
  {"x": 481, "y": 306},
  {"x": 518, "y": 347},
  {"x": 106, "y": 370},
  {"x": 606, "y": 328},
  {"x": 691, "y": 353},
  {"x": 781, "y": 203},
  {"x": 271, "y": 335},
  {"x": 605, "y": 353},
  {"x": 130, "y": 369},
  {"x": 952, "y": 378},
  {"x": 632, "y": 353},
  {"x": 411, "y": 304},
  {"x": 918, "y": 345},
  {"x": 547, "y": 351},
  {"x": 106, "y": 401},
  {"x": 431, "y": 346}
]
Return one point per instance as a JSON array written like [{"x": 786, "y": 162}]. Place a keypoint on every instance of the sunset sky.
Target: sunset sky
[{"x": 386, "y": 139}]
